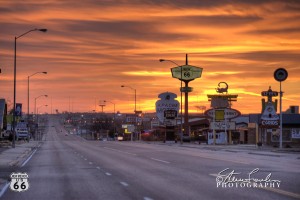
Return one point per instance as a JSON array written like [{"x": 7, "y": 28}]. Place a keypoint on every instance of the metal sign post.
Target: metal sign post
[{"x": 280, "y": 75}]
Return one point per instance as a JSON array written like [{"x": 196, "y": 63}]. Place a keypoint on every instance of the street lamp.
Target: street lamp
[
  {"x": 28, "y": 90},
  {"x": 40, "y": 107},
  {"x": 134, "y": 96},
  {"x": 114, "y": 115},
  {"x": 35, "y": 101},
  {"x": 39, "y": 136},
  {"x": 134, "y": 104},
  {"x": 163, "y": 60},
  {"x": 15, "y": 76}
]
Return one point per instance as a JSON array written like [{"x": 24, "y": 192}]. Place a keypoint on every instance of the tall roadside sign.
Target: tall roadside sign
[
  {"x": 269, "y": 118},
  {"x": 221, "y": 113},
  {"x": 166, "y": 111},
  {"x": 280, "y": 75},
  {"x": 186, "y": 73}
]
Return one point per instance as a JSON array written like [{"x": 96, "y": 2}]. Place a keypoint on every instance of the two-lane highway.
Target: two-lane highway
[{"x": 69, "y": 167}]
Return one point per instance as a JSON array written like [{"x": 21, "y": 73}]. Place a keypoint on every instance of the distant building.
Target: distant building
[{"x": 290, "y": 130}]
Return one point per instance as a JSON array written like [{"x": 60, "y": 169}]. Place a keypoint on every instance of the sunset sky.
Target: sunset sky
[{"x": 93, "y": 47}]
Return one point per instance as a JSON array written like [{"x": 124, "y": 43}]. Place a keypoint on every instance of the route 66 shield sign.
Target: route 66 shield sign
[{"x": 19, "y": 182}]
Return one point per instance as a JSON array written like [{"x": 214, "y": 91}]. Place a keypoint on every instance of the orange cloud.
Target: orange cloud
[{"x": 92, "y": 48}]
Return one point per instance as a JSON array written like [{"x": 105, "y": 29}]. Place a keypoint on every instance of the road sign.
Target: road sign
[
  {"x": 186, "y": 72},
  {"x": 280, "y": 74},
  {"x": 229, "y": 113}
]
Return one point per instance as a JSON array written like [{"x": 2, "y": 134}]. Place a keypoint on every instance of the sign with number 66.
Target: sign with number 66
[{"x": 19, "y": 182}]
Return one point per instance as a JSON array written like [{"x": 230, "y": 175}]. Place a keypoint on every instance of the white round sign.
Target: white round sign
[{"x": 280, "y": 74}]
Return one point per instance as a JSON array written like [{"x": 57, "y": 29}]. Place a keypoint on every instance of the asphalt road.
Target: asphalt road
[{"x": 69, "y": 167}]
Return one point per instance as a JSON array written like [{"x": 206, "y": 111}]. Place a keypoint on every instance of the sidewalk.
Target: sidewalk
[
  {"x": 11, "y": 159},
  {"x": 15, "y": 156}
]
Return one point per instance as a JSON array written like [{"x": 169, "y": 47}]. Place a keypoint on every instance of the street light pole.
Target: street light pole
[
  {"x": 15, "y": 75},
  {"x": 134, "y": 96},
  {"x": 39, "y": 136},
  {"x": 35, "y": 102},
  {"x": 163, "y": 60},
  {"x": 28, "y": 113},
  {"x": 114, "y": 115},
  {"x": 135, "y": 112}
]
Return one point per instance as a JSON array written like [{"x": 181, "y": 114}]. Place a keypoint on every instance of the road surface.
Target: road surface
[{"x": 69, "y": 167}]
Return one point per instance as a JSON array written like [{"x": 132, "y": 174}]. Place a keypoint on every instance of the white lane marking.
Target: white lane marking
[
  {"x": 26, "y": 161},
  {"x": 163, "y": 161},
  {"x": 90, "y": 163},
  {"x": 85, "y": 159},
  {"x": 124, "y": 184},
  {"x": 147, "y": 198},
  {"x": 98, "y": 167},
  {"x": 214, "y": 175},
  {"x": 108, "y": 174},
  {"x": 279, "y": 191},
  {"x": 4, "y": 189},
  {"x": 120, "y": 151}
]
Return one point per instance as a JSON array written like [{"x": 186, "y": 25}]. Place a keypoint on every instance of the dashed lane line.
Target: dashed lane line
[
  {"x": 147, "y": 198},
  {"x": 124, "y": 184},
  {"x": 163, "y": 161},
  {"x": 221, "y": 159}
]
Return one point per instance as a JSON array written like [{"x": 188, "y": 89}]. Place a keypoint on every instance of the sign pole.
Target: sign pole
[
  {"x": 256, "y": 134},
  {"x": 214, "y": 131},
  {"x": 280, "y": 136},
  {"x": 186, "y": 104},
  {"x": 280, "y": 75}
]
